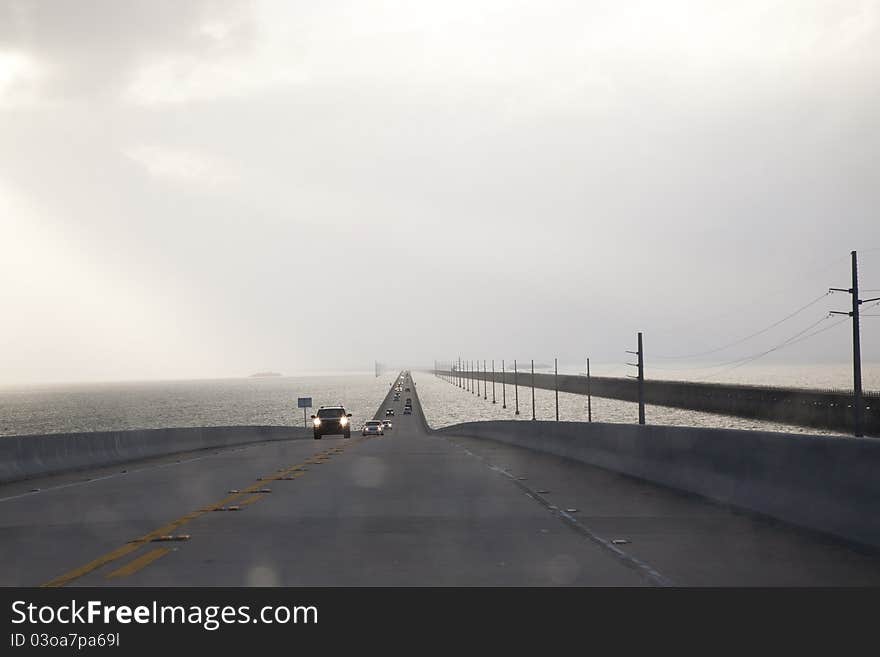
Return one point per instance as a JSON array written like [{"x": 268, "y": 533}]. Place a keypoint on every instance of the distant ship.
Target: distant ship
[{"x": 263, "y": 374}]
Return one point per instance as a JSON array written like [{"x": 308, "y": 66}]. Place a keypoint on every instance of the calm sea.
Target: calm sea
[
  {"x": 42, "y": 409},
  {"x": 148, "y": 405}
]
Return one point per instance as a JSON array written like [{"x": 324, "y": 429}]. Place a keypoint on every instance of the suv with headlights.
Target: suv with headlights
[{"x": 331, "y": 420}]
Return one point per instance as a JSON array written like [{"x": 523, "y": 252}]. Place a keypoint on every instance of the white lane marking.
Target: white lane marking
[{"x": 644, "y": 569}]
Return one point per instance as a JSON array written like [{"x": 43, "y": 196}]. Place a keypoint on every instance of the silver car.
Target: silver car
[{"x": 373, "y": 427}]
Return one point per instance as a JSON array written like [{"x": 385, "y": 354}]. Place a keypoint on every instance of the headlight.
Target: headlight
[
  {"x": 317, "y": 422},
  {"x": 343, "y": 421}
]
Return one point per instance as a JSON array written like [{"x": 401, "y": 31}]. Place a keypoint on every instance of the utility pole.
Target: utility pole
[
  {"x": 515, "y": 387},
  {"x": 641, "y": 378},
  {"x": 493, "y": 380},
  {"x": 556, "y": 385},
  {"x": 503, "y": 386},
  {"x": 858, "y": 400},
  {"x": 533, "y": 388},
  {"x": 589, "y": 396},
  {"x": 486, "y": 376}
]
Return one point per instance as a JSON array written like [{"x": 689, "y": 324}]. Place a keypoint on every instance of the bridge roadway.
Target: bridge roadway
[{"x": 406, "y": 508}]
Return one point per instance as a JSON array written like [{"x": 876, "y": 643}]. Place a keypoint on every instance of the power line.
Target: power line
[
  {"x": 795, "y": 339},
  {"x": 712, "y": 366},
  {"x": 798, "y": 281},
  {"x": 750, "y": 336}
]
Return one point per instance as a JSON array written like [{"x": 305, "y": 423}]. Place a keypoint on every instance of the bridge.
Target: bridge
[
  {"x": 462, "y": 506},
  {"x": 809, "y": 407}
]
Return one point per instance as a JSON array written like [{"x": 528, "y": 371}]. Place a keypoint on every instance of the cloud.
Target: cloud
[
  {"x": 606, "y": 166},
  {"x": 91, "y": 50},
  {"x": 18, "y": 76},
  {"x": 180, "y": 165}
]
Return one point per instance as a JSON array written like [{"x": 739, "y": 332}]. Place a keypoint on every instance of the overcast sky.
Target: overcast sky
[{"x": 211, "y": 188}]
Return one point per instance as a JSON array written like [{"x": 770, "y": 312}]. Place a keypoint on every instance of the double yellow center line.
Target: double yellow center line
[{"x": 137, "y": 564}]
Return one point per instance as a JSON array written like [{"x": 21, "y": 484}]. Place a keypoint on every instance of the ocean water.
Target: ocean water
[
  {"x": 446, "y": 404},
  {"x": 42, "y": 409}
]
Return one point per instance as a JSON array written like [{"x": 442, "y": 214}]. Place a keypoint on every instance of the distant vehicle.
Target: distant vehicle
[
  {"x": 331, "y": 420},
  {"x": 407, "y": 389},
  {"x": 387, "y": 424},
  {"x": 407, "y": 410},
  {"x": 409, "y": 400},
  {"x": 389, "y": 412},
  {"x": 374, "y": 427}
]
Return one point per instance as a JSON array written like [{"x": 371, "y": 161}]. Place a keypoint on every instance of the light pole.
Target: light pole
[
  {"x": 589, "y": 396},
  {"x": 515, "y": 387},
  {"x": 556, "y": 385},
  {"x": 533, "y": 388},
  {"x": 493, "y": 380}
]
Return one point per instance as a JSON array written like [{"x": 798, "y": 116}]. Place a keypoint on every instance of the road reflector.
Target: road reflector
[
  {"x": 265, "y": 490},
  {"x": 234, "y": 491},
  {"x": 572, "y": 510},
  {"x": 171, "y": 537},
  {"x": 620, "y": 541},
  {"x": 541, "y": 491}
]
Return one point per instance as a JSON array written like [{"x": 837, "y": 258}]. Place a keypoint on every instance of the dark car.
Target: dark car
[
  {"x": 389, "y": 412},
  {"x": 331, "y": 420}
]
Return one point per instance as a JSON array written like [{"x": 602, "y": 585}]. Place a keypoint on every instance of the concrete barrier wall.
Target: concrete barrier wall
[
  {"x": 23, "y": 457},
  {"x": 830, "y": 484}
]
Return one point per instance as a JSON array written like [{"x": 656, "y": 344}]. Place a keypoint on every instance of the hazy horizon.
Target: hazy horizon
[{"x": 213, "y": 188}]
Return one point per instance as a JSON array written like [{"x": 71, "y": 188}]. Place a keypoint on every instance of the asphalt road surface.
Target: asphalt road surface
[{"x": 407, "y": 508}]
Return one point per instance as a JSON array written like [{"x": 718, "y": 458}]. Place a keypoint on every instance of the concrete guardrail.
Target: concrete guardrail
[
  {"x": 824, "y": 483},
  {"x": 24, "y": 457}
]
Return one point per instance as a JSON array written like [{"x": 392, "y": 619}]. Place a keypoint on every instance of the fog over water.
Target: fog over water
[
  {"x": 41, "y": 409},
  {"x": 212, "y": 188},
  {"x": 62, "y": 408}
]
